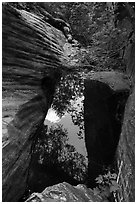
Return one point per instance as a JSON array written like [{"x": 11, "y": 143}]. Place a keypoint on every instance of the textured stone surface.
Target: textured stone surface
[
  {"x": 117, "y": 81},
  {"x": 126, "y": 147},
  {"x": 30, "y": 49},
  {"x": 127, "y": 22},
  {"x": 126, "y": 153},
  {"x": 64, "y": 192},
  {"x": 130, "y": 59}
]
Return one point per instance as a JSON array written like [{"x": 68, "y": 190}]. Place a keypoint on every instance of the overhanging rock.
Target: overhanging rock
[
  {"x": 30, "y": 49},
  {"x": 117, "y": 81}
]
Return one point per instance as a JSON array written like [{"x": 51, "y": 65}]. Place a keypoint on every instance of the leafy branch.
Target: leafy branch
[{"x": 107, "y": 185}]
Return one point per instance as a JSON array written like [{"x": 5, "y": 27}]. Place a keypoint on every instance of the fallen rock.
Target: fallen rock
[{"x": 64, "y": 192}]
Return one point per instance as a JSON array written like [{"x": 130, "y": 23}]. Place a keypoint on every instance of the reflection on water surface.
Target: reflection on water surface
[{"x": 67, "y": 110}]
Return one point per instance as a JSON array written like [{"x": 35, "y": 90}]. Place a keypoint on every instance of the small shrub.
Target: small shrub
[{"x": 107, "y": 185}]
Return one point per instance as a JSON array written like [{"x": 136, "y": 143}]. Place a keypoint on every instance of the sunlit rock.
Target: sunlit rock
[{"x": 64, "y": 192}]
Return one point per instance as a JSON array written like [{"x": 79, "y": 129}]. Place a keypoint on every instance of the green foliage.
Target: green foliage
[{"x": 107, "y": 185}]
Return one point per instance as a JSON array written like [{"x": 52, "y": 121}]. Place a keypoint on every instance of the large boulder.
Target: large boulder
[
  {"x": 105, "y": 97},
  {"x": 30, "y": 50}
]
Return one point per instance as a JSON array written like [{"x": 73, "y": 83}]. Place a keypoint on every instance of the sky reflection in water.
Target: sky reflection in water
[{"x": 67, "y": 110}]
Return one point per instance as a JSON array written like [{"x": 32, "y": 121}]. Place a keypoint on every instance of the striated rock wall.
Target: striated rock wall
[{"x": 30, "y": 49}]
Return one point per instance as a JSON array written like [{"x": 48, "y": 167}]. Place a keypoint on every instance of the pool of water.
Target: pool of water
[
  {"x": 59, "y": 152},
  {"x": 67, "y": 110}
]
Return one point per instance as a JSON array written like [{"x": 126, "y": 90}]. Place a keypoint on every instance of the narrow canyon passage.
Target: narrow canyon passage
[
  {"x": 68, "y": 107},
  {"x": 89, "y": 114}
]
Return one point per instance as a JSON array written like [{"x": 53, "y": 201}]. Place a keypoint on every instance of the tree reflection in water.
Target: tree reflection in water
[
  {"x": 55, "y": 152},
  {"x": 64, "y": 122},
  {"x": 69, "y": 100}
]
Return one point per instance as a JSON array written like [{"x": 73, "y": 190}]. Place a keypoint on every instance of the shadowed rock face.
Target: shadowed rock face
[
  {"x": 126, "y": 153},
  {"x": 126, "y": 148},
  {"x": 103, "y": 111},
  {"x": 29, "y": 51}
]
